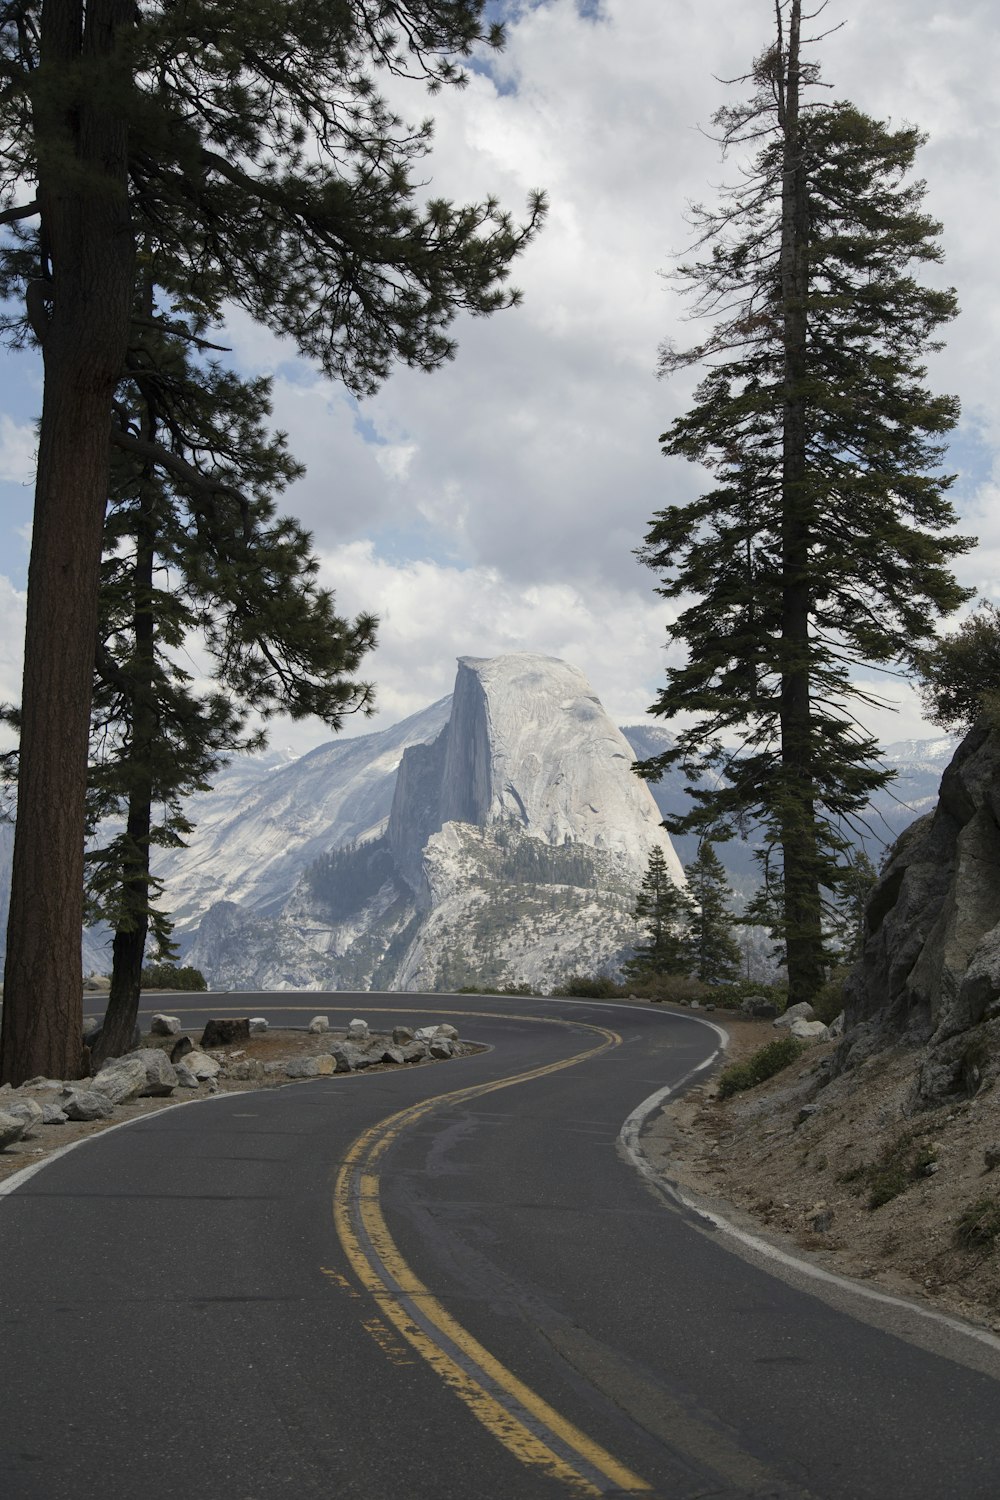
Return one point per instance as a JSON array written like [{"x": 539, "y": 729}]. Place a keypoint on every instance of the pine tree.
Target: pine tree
[
  {"x": 715, "y": 954},
  {"x": 664, "y": 912},
  {"x": 959, "y": 675},
  {"x": 819, "y": 544},
  {"x": 250, "y": 146},
  {"x": 847, "y": 924},
  {"x": 232, "y": 573}
]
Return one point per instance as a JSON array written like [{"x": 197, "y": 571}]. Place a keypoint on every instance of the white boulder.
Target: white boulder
[
  {"x": 160, "y": 1075},
  {"x": 801, "y": 1012},
  {"x": 12, "y": 1128},
  {"x": 809, "y": 1031},
  {"x": 27, "y": 1110},
  {"x": 319, "y": 1024},
  {"x": 162, "y": 1025},
  {"x": 201, "y": 1065},
  {"x": 121, "y": 1078},
  {"x": 357, "y": 1030}
]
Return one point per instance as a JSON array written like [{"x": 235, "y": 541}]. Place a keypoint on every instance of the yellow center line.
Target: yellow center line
[{"x": 516, "y": 1415}]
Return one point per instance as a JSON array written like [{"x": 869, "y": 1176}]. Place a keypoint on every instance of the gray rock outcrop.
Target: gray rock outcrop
[{"x": 931, "y": 961}]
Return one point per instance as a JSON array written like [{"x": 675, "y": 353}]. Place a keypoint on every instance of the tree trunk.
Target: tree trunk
[
  {"x": 129, "y": 944},
  {"x": 79, "y": 101},
  {"x": 799, "y": 843}
]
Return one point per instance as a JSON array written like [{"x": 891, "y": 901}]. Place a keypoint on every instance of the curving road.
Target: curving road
[{"x": 449, "y": 1283}]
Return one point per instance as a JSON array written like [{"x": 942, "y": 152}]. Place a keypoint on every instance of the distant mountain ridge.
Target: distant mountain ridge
[
  {"x": 510, "y": 851},
  {"x": 272, "y": 890}
]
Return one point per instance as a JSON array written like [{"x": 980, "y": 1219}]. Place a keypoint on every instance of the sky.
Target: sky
[{"x": 494, "y": 506}]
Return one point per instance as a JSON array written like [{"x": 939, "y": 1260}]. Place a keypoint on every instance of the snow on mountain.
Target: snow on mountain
[
  {"x": 516, "y": 839},
  {"x": 502, "y": 835},
  {"x": 255, "y": 833}
]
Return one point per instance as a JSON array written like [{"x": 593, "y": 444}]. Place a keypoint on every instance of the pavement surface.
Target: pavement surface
[{"x": 447, "y": 1283}]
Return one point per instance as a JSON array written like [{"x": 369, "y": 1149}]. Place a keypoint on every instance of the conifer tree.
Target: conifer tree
[
  {"x": 847, "y": 924},
  {"x": 251, "y": 146},
  {"x": 664, "y": 912},
  {"x": 959, "y": 675},
  {"x": 714, "y": 952},
  {"x": 194, "y": 548},
  {"x": 820, "y": 543}
]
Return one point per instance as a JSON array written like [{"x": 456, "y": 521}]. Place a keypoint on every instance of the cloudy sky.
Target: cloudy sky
[{"x": 493, "y": 506}]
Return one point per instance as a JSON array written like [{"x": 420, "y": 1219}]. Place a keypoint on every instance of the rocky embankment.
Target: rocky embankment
[
  {"x": 879, "y": 1152},
  {"x": 232, "y": 1055}
]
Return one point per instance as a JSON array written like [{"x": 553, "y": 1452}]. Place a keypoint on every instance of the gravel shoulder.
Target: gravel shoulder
[{"x": 802, "y": 1163}]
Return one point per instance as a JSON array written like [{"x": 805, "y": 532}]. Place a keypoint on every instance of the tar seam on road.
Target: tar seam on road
[{"x": 513, "y": 1413}]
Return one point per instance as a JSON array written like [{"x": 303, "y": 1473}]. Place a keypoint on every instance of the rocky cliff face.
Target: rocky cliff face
[
  {"x": 514, "y": 845},
  {"x": 254, "y": 835},
  {"x": 930, "y": 971}
]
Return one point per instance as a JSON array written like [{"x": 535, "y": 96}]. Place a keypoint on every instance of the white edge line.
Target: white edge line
[
  {"x": 17, "y": 1179},
  {"x": 629, "y": 1141}
]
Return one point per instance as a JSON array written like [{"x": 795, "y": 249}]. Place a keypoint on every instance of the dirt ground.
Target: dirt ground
[
  {"x": 811, "y": 1182},
  {"x": 279, "y": 1045}
]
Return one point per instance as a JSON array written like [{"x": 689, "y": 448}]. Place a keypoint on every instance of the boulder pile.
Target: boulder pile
[{"x": 150, "y": 1072}]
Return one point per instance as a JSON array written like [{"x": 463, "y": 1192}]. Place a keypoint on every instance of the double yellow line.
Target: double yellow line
[{"x": 526, "y": 1424}]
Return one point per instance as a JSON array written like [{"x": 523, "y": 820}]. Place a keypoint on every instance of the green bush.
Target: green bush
[
  {"x": 172, "y": 977},
  {"x": 580, "y": 987},
  {"x": 901, "y": 1161},
  {"x": 496, "y": 989},
  {"x": 978, "y": 1224},
  {"x": 731, "y": 996},
  {"x": 678, "y": 989},
  {"x": 828, "y": 1001},
  {"x": 763, "y": 1064}
]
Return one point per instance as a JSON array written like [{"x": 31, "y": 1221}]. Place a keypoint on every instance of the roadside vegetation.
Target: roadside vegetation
[
  {"x": 172, "y": 977},
  {"x": 760, "y": 1066}
]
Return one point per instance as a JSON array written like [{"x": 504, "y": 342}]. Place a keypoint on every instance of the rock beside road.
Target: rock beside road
[
  {"x": 12, "y": 1127},
  {"x": 146, "y": 1078}
]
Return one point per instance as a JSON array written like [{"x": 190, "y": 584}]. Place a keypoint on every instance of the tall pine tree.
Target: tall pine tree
[
  {"x": 820, "y": 543},
  {"x": 664, "y": 912},
  {"x": 253, "y": 147},
  {"x": 714, "y": 952}
]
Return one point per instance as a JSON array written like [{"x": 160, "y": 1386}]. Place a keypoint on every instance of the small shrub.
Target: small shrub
[
  {"x": 580, "y": 987},
  {"x": 678, "y": 989},
  {"x": 978, "y": 1224},
  {"x": 828, "y": 1001},
  {"x": 900, "y": 1162},
  {"x": 763, "y": 1064},
  {"x": 496, "y": 989},
  {"x": 172, "y": 977},
  {"x": 731, "y": 996}
]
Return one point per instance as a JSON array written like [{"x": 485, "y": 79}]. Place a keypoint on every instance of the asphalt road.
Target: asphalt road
[{"x": 448, "y": 1282}]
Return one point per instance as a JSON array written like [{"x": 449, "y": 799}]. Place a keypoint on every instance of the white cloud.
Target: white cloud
[
  {"x": 18, "y": 445},
  {"x": 11, "y": 641},
  {"x": 433, "y": 613},
  {"x": 500, "y": 504}
]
